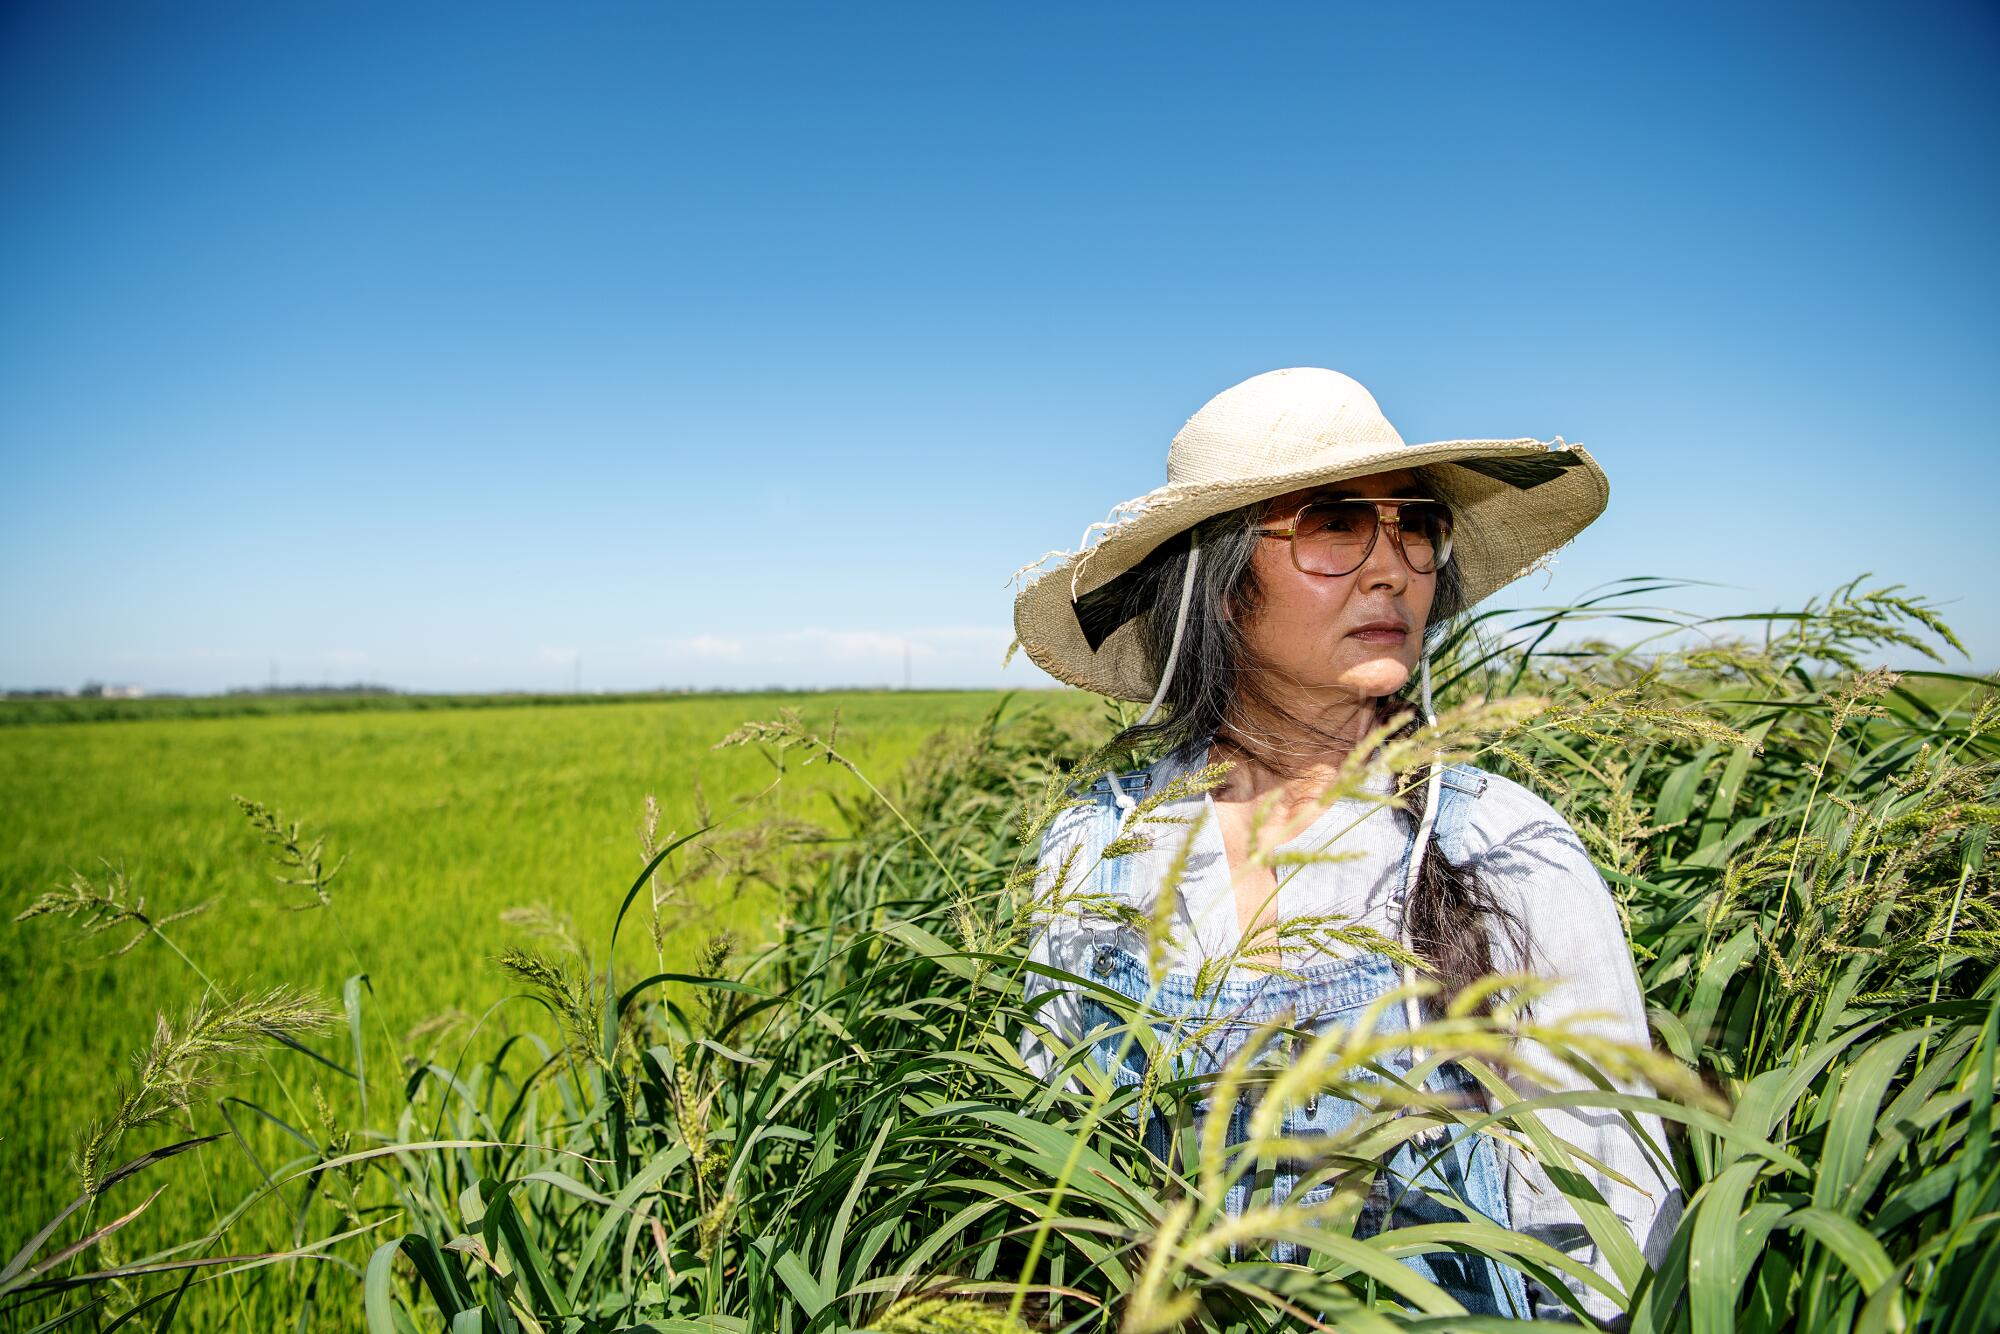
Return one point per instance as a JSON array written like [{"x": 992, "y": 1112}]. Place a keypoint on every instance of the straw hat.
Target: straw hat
[{"x": 1513, "y": 502}]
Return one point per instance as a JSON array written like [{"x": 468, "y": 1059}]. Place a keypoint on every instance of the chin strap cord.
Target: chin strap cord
[
  {"x": 1118, "y": 794},
  {"x": 1413, "y": 1012}
]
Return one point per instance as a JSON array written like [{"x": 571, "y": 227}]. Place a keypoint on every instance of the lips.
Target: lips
[{"x": 1384, "y": 633}]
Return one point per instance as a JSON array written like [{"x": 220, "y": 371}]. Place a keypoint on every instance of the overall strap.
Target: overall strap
[
  {"x": 1458, "y": 791},
  {"x": 1458, "y": 796},
  {"x": 1105, "y": 821},
  {"x": 1452, "y": 792}
]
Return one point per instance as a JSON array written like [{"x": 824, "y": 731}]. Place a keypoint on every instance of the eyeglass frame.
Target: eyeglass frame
[{"x": 1382, "y": 520}]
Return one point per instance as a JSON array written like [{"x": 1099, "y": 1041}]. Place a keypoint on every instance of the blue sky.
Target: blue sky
[{"x": 728, "y": 345}]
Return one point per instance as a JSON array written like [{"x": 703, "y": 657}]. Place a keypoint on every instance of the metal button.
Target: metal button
[{"x": 1102, "y": 964}]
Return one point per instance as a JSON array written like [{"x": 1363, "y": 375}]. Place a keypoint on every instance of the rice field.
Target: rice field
[
  {"x": 448, "y": 818},
  {"x": 798, "y": 1105}
]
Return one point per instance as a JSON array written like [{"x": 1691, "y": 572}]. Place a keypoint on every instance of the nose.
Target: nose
[{"x": 1385, "y": 567}]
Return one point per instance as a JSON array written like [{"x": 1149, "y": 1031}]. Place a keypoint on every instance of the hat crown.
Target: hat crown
[{"x": 1276, "y": 421}]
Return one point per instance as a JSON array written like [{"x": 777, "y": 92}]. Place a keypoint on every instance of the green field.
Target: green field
[
  {"x": 449, "y": 817},
  {"x": 827, "y": 1127}
]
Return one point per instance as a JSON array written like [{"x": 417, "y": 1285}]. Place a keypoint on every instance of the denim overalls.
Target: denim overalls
[{"x": 1419, "y": 1182}]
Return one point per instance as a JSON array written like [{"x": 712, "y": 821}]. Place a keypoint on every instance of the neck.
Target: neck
[{"x": 1290, "y": 749}]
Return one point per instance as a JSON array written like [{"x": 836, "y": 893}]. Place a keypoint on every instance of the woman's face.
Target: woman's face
[{"x": 1344, "y": 636}]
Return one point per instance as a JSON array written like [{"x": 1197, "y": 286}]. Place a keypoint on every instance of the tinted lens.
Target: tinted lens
[
  {"x": 1334, "y": 536},
  {"x": 1426, "y": 529}
]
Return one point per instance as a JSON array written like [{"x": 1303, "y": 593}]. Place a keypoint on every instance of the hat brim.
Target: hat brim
[{"x": 1514, "y": 503}]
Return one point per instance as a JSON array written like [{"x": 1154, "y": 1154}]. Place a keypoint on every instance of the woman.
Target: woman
[{"x": 1276, "y": 598}]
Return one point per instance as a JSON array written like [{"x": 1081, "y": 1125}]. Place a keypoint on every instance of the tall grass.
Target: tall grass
[{"x": 831, "y": 1128}]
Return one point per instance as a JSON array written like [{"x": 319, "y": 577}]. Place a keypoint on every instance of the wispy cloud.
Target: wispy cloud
[
  {"x": 710, "y": 648},
  {"x": 560, "y": 657}
]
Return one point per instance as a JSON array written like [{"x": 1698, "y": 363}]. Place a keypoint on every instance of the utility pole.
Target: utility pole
[
  {"x": 906, "y": 664},
  {"x": 576, "y": 680}
]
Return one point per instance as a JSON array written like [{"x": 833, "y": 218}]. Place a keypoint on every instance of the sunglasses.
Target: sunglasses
[{"x": 1336, "y": 536}]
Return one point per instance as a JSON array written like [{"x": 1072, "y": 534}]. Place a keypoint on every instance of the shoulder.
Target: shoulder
[
  {"x": 1095, "y": 813},
  {"x": 1091, "y": 810},
  {"x": 1132, "y": 785},
  {"x": 1495, "y": 813},
  {"x": 1530, "y": 856}
]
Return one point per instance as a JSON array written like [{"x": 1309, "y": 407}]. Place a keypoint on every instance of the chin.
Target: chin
[
  {"x": 1360, "y": 677},
  {"x": 1377, "y": 681}
]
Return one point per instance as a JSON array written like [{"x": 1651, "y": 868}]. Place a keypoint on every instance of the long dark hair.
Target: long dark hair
[{"x": 1218, "y": 679}]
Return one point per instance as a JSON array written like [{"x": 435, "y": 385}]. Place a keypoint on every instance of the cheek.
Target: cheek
[
  {"x": 1294, "y": 606},
  {"x": 1421, "y": 596}
]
